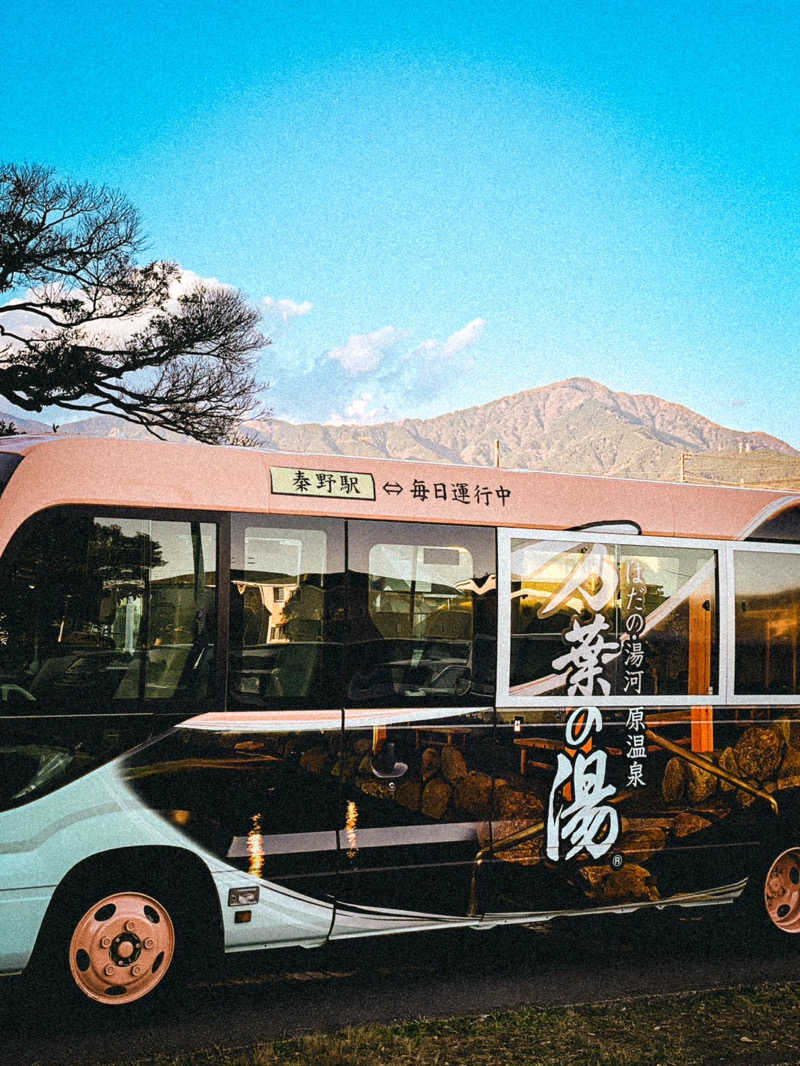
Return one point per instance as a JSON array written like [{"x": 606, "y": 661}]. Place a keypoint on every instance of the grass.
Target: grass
[{"x": 747, "y": 1026}]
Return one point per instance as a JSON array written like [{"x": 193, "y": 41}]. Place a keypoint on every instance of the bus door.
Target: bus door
[
  {"x": 416, "y": 807},
  {"x": 416, "y": 762},
  {"x": 612, "y": 659}
]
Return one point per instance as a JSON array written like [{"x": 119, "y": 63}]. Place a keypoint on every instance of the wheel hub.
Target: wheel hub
[
  {"x": 125, "y": 949},
  {"x": 782, "y": 891},
  {"x": 121, "y": 948}
]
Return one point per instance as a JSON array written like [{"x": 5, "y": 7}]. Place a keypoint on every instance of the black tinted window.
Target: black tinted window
[
  {"x": 767, "y": 616},
  {"x": 287, "y": 612},
  {"x": 422, "y": 603},
  {"x": 101, "y": 617}
]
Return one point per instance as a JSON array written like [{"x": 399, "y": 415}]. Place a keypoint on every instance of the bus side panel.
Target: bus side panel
[
  {"x": 44, "y": 840},
  {"x": 21, "y": 914}
]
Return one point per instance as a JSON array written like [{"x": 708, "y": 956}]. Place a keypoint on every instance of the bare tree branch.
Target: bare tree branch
[{"x": 89, "y": 329}]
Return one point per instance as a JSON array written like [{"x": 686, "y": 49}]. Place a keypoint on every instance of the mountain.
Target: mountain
[{"x": 575, "y": 426}]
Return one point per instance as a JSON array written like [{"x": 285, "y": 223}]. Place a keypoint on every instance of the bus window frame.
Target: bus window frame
[{"x": 725, "y": 637}]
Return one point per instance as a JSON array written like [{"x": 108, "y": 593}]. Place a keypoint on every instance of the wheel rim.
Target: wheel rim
[
  {"x": 782, "y": 891},
  {"x": 121, "y": 948}
]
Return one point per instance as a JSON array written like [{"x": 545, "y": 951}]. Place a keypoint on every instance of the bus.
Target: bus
[{"x": 252, "y": 700}]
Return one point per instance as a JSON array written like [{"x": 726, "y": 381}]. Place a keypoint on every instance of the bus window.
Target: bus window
[
  {"x": 176, "y": 634},
  {"x": 612, "y": 620},
  {"x": 422, "y": 613},
  {"x": 767, "y": 614},
  {"x": 100, "y": 617},
  {"x": 286, "y": 612},
  {"x": 784, "y": 526}
]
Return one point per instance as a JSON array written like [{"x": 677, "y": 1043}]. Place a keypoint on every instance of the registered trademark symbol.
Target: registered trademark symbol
[{"x": 616, "y": 861}]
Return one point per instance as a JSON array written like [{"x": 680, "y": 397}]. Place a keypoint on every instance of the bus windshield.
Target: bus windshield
[{"x": 100, "y": 617}]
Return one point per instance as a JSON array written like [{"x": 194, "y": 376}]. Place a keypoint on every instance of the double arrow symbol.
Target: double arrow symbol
[{"x": 392, "y": 488}]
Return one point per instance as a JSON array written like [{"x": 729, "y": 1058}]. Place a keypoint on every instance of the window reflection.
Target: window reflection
[
  {"x": 286, "y": 612},
  {"x": 97, "y": 614},
  {"x": 767, "y": 617},
  {"x": 601, "y": 619},
  {"x": 422, "y": 601},
  {"x": 413, "y": 605}
]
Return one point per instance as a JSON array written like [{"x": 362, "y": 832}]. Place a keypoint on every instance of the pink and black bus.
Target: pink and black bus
[{"x": 253, "y": 700}]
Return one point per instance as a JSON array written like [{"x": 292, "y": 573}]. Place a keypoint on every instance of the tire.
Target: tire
[{"x": 85, "y": 949}]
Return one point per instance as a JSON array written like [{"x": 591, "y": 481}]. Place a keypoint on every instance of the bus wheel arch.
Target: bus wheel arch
[{"x": 110, "y": 907}]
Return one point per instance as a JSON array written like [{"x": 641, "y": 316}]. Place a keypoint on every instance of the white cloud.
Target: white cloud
[
  {"x": 434, "y": 350},
  {"x": 466, "y": 337},
  {"x": 286, "y": 309},
  {"x": 363, "y": 352},
  {"x": 380, "y": 376},
  {"x": 119, "y": 330},
  {"x": 360, "y": 411},
  {"x": 187, "y": 280}
]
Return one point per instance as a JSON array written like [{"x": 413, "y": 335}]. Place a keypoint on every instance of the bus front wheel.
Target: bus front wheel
[{"x": 121, "y": 947}]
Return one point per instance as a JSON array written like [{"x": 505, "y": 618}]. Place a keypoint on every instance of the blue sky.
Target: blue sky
[{"x": 437, "y": 204}]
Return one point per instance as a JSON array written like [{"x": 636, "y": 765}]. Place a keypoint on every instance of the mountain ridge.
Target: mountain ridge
[{"x": 573, "y": 426}]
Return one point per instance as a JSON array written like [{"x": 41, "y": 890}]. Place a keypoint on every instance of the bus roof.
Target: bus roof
[{"x": 153, "y": 474}]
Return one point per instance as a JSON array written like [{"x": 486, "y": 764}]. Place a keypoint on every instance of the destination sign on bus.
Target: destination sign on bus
[{"x": 337, "y": 484}]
